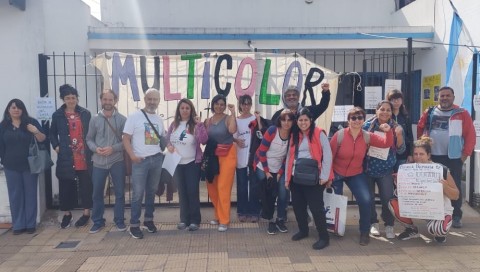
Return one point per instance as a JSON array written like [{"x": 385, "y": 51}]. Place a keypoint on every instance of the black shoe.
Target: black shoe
[
  {"x": 18, "y": 231},
  {"x": 272, "y": 228},
  {"x": 82, "y": 221},
  {"x": 281, "y": 226},
  {"x": 66, "y": 221},
  {"x": 136, "y": 232},
  {"x": 364, "y": 238},
  {"x": 440, "y": 239},
  {"x": 408, "y": 233},
  {"x": 321, "y": 244},
  {"x": 31, "y": 230},
  {"x": 150, "y": 226},
  {"x": 299, "y": 236}
]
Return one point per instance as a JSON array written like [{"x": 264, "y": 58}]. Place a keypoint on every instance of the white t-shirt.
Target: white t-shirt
[
  {"x": 244, "y": 133},
  {"x": 184, "y": 143},
  {"x": 275, "y": 154},
  {"x": 144, "y": 140}
]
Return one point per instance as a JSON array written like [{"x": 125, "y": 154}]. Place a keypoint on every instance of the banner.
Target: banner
[{"x": 199, "y": 77}]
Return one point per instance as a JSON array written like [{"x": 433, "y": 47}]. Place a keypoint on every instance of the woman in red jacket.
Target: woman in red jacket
[{"x": 348, "y": 154}]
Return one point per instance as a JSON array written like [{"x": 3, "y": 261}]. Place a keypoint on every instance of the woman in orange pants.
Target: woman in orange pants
[{"x": 221, "y": 128}]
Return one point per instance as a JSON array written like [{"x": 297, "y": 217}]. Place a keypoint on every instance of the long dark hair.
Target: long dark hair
[
  {"x": 296, "y": 130},
  {"x": 24, "y": 118},
  {"x": 191, "y": 119},
  {"x": 394, "y": 94}
]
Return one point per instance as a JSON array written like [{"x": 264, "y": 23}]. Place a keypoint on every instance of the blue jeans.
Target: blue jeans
[
  {"x": 22, "y": 195},
  {"x": 145, "y": 178},
  {"x": 280, "y": 192},
  {"x": 358, "y": 185},
  {"x": 187, "y": 177},
  {"x": 248, "y": 202},
  {"x": 385, "y": 190},
  {"x": 99, "y": 175}
]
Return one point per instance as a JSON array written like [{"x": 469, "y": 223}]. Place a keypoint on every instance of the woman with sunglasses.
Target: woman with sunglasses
[
  {"x": 348, "y": 154},
  {"x": 269, "y": 166},
  {"x": 379, "y": 167},
  {"x": 248, "y": 204}
]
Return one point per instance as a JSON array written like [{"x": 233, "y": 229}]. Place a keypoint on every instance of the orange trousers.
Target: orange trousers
[{"x": 220, "y": 190}]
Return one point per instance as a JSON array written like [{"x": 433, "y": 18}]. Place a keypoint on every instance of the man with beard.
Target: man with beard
[
  {"x": 291, "y": 97},
  {"x": 141, "y": 139},
  {"x": 453, "y": 134},
  {"x": 104, "y": 139}
]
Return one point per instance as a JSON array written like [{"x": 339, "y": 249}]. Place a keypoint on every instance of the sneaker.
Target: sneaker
[
  {"x": 181, "y": 226},
  {"x": 440, "y": 239},
  {"x": 457, "y": 223},
  {"x": 121, "y": 226},
  {"x": 96, "y": 228},
  {"x": 82, "y": 221},
  {"x": 66, "y": 221},
  {"x": 272, "y": 228},
  {"x": 364, "y": 239},
  {"x": 299, "y": 236},
  {"x": 150, "y": 226},
  {"x": 214, "y": 222},
  {"x": 242, "y": 218},
  {"x": 18, "y": 232},
  {"x": 280, "y": 224},
  {"x": 320, "y": 244},
  {"x": 375, "y": 229},
  {"x": 408, "y": 233},
  {"x": 222, "y": 228},
  {"x": 193, "y": 227},
  {"x": 389, "y": 232},
  {"x": 31, "y": 230},
  {"x": 136, "y": 232}
]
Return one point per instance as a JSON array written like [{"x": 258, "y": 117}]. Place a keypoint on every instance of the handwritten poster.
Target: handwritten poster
[
  {"x": 45, "y": 107},
  {"x": 420, "y": 194},
  {"x": 373, "y": 95},
  {"x": 392, "y": 84},
  {"x": 377, "y": 152},
  {"x": 340, "y": 113}
]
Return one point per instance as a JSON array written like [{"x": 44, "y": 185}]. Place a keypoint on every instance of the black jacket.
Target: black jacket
[
  {"x": 60, "y": 136},
  {"x": 316, "y": 110}
]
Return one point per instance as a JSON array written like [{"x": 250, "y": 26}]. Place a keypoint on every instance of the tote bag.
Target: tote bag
[
  {"x": 38, "y": 159},
  {"x": 335, "y": 211}
]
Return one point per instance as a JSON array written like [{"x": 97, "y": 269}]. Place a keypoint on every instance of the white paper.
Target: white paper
[
  {"x": 45, "y": 107},
  {"x": 392, "y": 84},
  {"x": 476, "y": 103},
  {"x": 373, "y": 95},
  {"x": 171, "y": 161},
  {"x": 340, "y": 113},
  {"x": 378, "y": 152},
  {"x": 476, "y": 124},
  {"x": 420, "y": 194}
]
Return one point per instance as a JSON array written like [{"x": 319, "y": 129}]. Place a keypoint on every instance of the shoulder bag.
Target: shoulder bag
[
  {"x": 38, "y": 159},
  {"x": 162, "y": 139},
  {"x": 126, "y": 158},
  {"x": 306, "y": 171}
]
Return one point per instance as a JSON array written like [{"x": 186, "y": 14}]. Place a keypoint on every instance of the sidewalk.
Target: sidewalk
[{"x": 244, "y": 247}]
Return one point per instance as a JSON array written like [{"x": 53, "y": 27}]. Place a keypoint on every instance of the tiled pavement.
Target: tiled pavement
[{"x": 244, "y": 247}]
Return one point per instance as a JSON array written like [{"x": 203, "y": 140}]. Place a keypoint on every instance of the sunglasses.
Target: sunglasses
[{"x": 355, "y": 118}]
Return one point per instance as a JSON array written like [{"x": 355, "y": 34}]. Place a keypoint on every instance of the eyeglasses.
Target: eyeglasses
[{"x": 355, "y": 118}]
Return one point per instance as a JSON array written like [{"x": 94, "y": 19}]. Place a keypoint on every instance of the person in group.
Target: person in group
[
  {"x": 422, "y": 153},
  {"x": 453, "y": 134},
  {"x": 400, "y": 115},
  {"x": 379, "y": 170},
  {"x": 68, "y": 131},
  {"x": 308, "y": 141},
  {"x": 291, "y": 98},
  {"x": 269, "y": 167},
  {"x": 220, "y": 128},
  {"x": 104, "y": 138},
  {"x": 142, "y": 144},
  {"x": 17, "y": 132},
  {"x": 248, "y": 203},
  {"x": 348, "y": 155},
  {"x": 184, "y": 137}
]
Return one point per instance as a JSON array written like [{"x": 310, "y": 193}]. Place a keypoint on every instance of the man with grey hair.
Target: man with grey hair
[
  {"x": 141, "y": 139},
  {"x": 291, "y": 97}
]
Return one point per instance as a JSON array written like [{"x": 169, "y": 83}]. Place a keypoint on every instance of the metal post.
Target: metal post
[
  {"x": 43, "y": 79},
  {"x": 472, "y": 158},
  {"x": 408, "y": 82}
]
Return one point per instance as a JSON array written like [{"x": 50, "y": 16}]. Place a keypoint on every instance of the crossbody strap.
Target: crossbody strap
[
  {"x": 150, "y": 122},
  {"x": 113, "y": 129}
]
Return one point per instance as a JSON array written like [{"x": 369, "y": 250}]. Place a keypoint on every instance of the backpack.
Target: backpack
[{"x": 341, "y": 133}]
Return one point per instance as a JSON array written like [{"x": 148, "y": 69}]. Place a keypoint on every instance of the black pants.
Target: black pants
[
  {"x": 311, "y": 196},
  {"x": 455, "y": 167},
  {"x": 68, "y": 194},
  {"x": 268, "y": 196},
  {"x": 187, "y": 177}
]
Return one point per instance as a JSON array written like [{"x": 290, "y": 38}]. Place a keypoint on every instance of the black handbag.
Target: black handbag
[{"x": 306, "y": 171}]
